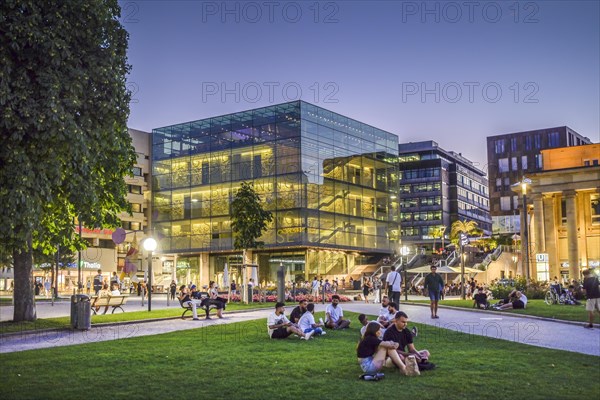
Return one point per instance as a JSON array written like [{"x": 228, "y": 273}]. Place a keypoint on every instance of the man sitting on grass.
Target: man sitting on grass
[
  {"x": 364, "y": 321},
  {"x": 516, "y": 300},
  {"x": 298, "y": 311},
  {"x": 335, "y": 314},
  {"x": 386, "y": 319},
  {"x": 307, "y": 323},
  {"x": 398, "y": 332},
  {"x": 480, "y": 299},
  {"x": 280, "y": 327}
]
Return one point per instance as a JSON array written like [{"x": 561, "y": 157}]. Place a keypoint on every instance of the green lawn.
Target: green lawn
[
  {"x": 238, "y": 361},
  {"x": 534, "y": 307},
  {"x": 118, "y": 316}
]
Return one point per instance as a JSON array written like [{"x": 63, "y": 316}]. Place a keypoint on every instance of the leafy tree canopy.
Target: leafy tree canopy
[
  {"x": 63, "y": 127},
  {"x": 248, "y": 218},
  {"x": 64, "y": 108}
]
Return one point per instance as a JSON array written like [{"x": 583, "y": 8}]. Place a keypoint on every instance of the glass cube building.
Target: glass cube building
[{"x": 331, "y": 183}]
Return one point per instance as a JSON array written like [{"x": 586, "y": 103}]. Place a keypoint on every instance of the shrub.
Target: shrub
[{"x": 501, "y": 291}]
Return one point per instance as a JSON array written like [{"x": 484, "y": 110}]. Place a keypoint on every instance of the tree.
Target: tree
[
  {"x": 65, "y": 146},
  {"x": 438, "y": 232},
  {"x": 248, "y": 219},
  {"x": 465, "y": 226}
]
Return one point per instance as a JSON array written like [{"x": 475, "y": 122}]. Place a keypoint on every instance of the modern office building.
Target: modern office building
[
  {"x": 331, "y": 183},
  {"x": 512, "y": 156},
  {"x": 438, "y": 187},
  {"x": 564, "y": 228}
]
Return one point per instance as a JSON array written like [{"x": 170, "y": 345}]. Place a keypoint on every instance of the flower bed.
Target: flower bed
[{"x": 273, "y": 298}]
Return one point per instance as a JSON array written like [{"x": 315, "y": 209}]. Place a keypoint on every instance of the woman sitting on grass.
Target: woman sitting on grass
[{"x": 372, "y": 351}]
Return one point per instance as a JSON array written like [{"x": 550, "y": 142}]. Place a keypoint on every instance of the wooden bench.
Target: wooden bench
[
  {"x": 112, "y": 301},
  {"x": 206, "y": 304}
]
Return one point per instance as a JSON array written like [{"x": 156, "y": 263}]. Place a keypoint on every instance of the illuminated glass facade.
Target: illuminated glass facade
[{"x": 331, "y": 183}]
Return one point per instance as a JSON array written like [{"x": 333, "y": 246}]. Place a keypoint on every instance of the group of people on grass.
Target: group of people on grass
[
  {"x": 302, "y": 321},
  {"x": 384, "y": 342}
]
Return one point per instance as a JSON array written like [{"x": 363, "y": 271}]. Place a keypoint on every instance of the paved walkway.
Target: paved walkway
[{"x": 549, "y": 334}]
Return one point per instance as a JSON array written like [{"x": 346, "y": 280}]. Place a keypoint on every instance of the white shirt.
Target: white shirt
[
  {"x": 275, "y": 319},
  {"x": 394, "y": 277},
  {"x": 523, "y": 298},
  {"x": 306, "y": 321},
  {"x": 315, "y": 284},
  {"x": 383, "y": 311},
  {"x": 364, "y": 329},
  {"x": 335, "y": 312}
]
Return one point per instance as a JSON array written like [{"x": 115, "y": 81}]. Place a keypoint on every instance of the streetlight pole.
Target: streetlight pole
[
  {"x": 150, "y": 246},
  {"x": 524, "y": 184}
]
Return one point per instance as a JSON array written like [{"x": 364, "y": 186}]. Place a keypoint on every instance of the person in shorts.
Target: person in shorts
[
  {"x": 592, "y": 293},
  {"x": 372, "y": 351},
  {"x": 517, "y": 300},
  {"x": 279, "y": 327},
  {"x": 434, "y": 285}
]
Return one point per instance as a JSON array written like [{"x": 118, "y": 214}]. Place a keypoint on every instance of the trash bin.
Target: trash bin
[
  {"x": 81, "y": 312},
  {"x": 356, "y": 285}
]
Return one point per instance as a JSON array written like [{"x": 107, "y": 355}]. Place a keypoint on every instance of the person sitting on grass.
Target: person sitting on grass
[
  {"x": 399, "y": 333},
  {"x": 335, "y": 315},
  {"x": 516, "y": 300},
  {"x": 364, "y": 321},
  {"x": 480, "y": 299},
  {"x": 307, "y": 323},
  {"x": 279, "y": 327},
  {"x": 298, "y": 311},
  {"x": 386, "y": 320},
  {"x": 372, "y": 351}
]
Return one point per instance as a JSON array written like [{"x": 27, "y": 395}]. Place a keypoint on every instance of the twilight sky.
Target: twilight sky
[{"x": 453, "y": 72}]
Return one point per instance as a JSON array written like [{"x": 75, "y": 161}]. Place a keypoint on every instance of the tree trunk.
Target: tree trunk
[{"x": 23, "y": 293}]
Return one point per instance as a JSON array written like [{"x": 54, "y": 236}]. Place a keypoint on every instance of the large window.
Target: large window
[
  {"x": 513, "y": 144},
  {"x": 505, "y": 203},
  {"x": 554, "y": 139},
  {"x": 499, "y": 146},
  {"x": 503, "y": 165},
  {"x": 524, "y": 162}
]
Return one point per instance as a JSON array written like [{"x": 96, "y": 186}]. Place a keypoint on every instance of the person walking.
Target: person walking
[
  {"x": 173, "y": 289},
  {"x": 98, "y": 281},
  {"x": 393, "y": 281},
  {"x": 592, "y": 293},
  {"x": 434, "y": 285}
]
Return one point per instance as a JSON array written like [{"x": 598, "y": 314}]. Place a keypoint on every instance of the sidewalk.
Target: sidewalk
[
  {"x": 549, "y": 334},
  {"x": 531, "y": 331}
]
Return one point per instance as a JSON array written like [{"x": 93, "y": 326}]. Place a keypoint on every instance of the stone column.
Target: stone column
[
  {"x": 583, "y": 204},
  {"x": 538, "y": 224},
  {"x": 550, "y": 235},
  {"x": 521, "y": 267},
  {"x": 204, "y": 269},
  {"x": 572, "y": 245}
]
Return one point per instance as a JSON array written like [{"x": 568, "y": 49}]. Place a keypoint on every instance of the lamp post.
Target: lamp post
[
  {"x": 463, "y": 255},
  {"x": 524, "y": 183},
  {"x": 404, "y": 250},
  {"x": 150, "y": 246}
]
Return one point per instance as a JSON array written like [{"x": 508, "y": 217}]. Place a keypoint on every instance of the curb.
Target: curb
[{"x": 580, "y": 323}]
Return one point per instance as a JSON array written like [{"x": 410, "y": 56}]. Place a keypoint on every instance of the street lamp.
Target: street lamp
[
  {"x": 524, "y": 183},
  {"x": 150, "y": 246},
  {"x": 404, "y": 250}
]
